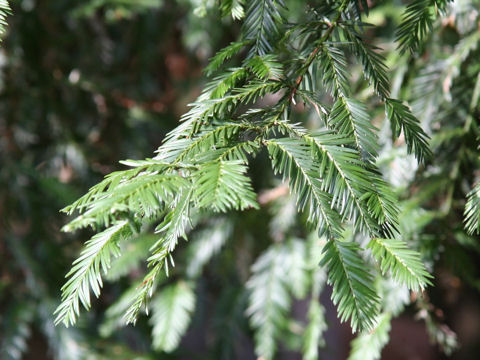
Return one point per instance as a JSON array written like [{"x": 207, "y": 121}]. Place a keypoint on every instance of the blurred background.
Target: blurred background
[{"x": 86, "y": 83}]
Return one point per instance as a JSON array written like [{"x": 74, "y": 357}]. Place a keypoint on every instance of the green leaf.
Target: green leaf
[
  {"x": 174, "y": 225},
  {"x": 361, "y": 5},
  {"x": 225, "y": 82},
  {"x": 142, "y": 194},
  {"x": 333, "y": 67},
  {"x": 417, "y": 21},
  {"x": 369, "y": 345},
  {"x": 143, "y": 293},
  {"x": 205, "y": 244},
  {"x": 402, "y": 119},
  {"x": 269, "y": 299},
  {"x": 111, "y": 181},
  {"x": 205, "y": 110},
  {"x": 222, "y": 185},
  {"x": 219, "y": 135},
  {"x": 137, "y": 250},
  {"x": 240, "y": 151},
  {"x": 382, "y": 203},
  {"x": 265, "y": 67},
  {"x": 293, "y": 159},
  {"x": 344, "y": 176},
  {"x": 353, "y": 288},
  {"x": 226, "y": 53},
  {"x": 86, "y": 271},
  {"x": 374, "y": 68},
  {"x": 313, "y": 333},
  {"x": 233, "y": 8},
  {"x": 113, "y": 319},
  {"x": 404, "y": 264},
  {"x": 4, "y": 12},
  {"x": 298, "y": 279},
  {"x": 255, "y": 90},
  {"x": 171, "y": 313},
  {"x": 472, "y": 211},
  {"x": 317, "y": 324},
  {"x": 263, "y": 24},
  {"x": 349, "y": 117}
]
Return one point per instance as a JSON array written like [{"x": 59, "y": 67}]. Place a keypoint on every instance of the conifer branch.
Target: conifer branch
[
  {"x": 4, "y": 12},
  {"x": 331, "y": 26},
  {"x": 202, "y": 167},
  {"x": 353, "y": 290},
  {"x": 86, "y": 272}
]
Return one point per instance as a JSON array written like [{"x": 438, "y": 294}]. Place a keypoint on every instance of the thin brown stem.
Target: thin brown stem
[{"x": 314, "y": 53}]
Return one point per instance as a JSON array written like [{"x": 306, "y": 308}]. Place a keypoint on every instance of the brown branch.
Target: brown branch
[
  {"x": 267, "y": 196},
  {"x": 313, "y": 54}
]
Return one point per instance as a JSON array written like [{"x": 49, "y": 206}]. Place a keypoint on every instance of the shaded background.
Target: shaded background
[{"x": 84, "y": 84}]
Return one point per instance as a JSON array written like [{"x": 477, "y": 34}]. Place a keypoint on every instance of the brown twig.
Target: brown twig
[
  {"x": 313, "y": 54},
  {"x": 268, "y": 196}
]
